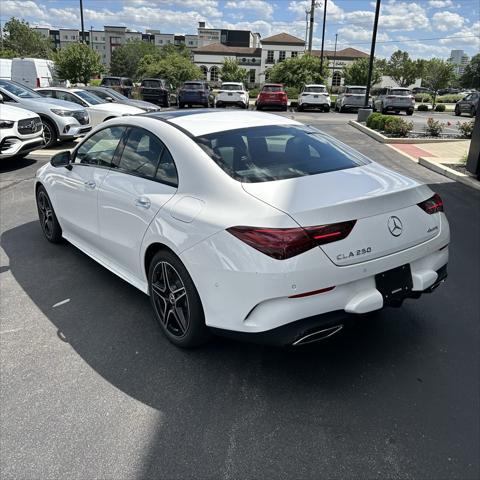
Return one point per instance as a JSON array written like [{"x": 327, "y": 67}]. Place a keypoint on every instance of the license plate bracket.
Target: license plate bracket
[{"x": 395, "y": 284}]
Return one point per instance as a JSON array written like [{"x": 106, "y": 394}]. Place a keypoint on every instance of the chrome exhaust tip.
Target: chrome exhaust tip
[{"x": 318, "y": 335}]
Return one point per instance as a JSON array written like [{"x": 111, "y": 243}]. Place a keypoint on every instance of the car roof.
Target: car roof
[
  {"x": 355, "y": 86},
  {"x": 200, "y": 122},
  {"x": 273, "y": 85},
  {"x": 232, "y": 83},
  {"x": 314, "y": 85}
]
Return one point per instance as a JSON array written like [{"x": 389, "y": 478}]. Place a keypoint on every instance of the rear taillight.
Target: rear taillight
[
  {"x": 283, "y": 243},
  {"x": 432, "y": 205},
  {"x": 38, "y": 82}
]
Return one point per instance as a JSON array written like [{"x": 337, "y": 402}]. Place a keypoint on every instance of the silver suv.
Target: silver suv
[
  {"x": 61, "y": 120},
  {"x": 352, "y": 97},
  {"x": 396, "y": 99}
]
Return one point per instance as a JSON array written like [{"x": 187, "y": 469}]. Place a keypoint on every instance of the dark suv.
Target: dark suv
[
  {"x": 156, "y": 90},
  {"x": 468, "y": 104},
  {"x": 124, "y": 85},
  {"x": 196, "y": 92}
]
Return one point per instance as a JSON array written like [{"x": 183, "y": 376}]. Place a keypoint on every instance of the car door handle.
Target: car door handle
[
  {"x": 90, "y": 184},
  {"x": 142, "y": 202}
]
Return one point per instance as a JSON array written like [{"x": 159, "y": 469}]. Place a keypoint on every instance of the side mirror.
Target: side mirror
[
  {"x": 109, "y": 99},
  {"x": 61, "y": 159}
]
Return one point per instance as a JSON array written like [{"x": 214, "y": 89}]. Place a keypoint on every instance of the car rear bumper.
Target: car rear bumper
[
  {"x": 246, "y": 291},
  {"x": 402, "y": 108}
]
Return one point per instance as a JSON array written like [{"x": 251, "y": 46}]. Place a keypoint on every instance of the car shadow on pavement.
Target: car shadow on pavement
[{"x": 12, "y": 164}]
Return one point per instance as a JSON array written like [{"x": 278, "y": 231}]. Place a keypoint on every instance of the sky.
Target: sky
[{"x": 423, "y": 27}]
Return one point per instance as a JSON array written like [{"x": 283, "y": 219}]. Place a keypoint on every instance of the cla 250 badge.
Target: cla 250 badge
[{"x": 354, "y": 253}]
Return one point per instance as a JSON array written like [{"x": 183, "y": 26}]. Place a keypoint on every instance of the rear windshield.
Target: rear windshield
[
  {"x": 272, "y": 88},
  {"x": 115, "y": 82},
  {"x": 151, "y": 83},
  {"x": 277, "y": 152},
  {"x": 356, "y": 91},
  {"x": 193, "y": 86},
  {"x": 402, "y": 93},
  {"x": 315, "y": 89},
  {"x": 237, "y": 86}
]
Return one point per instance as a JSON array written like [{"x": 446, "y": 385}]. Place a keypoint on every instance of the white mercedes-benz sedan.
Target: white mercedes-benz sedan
[{"x": 244, "y": 223}]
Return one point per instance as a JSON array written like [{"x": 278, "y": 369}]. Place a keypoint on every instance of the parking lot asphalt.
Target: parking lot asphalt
[{"x": 90, "y": 389}]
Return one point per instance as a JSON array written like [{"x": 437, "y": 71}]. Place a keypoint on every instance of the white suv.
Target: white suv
[
  {"x": 352, "y": 98},
  {"x": 394, "y": 99},
  {"x": 314, "y": 96},
  {"x": 232, "y": 93},
  {"x": 21, "y": 131}
]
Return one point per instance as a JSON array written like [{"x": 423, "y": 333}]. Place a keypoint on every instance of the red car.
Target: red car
[{"x": 272, "y": 95}]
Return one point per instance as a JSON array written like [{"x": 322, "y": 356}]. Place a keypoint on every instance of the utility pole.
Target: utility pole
[
  {"x": 82, "y": 34},
  {"x": 334, "y": 57},
  {"x": 307, "y": 13},
  {"x": 323, "y": 32},
  {"x": 372, "y": 53},
  {"x": 312, "y": 21},
  {"x": 91, "y": 36}
]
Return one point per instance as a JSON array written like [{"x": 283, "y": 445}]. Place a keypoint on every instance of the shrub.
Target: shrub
[
  {"x": 422, "y": 108},
  {"x": 376, "y": 121},
  {"x": 423, "y": 97},
  {"x": 449, "y": 98},
  {"x": 397, "y": 126},
  {"x": 434, "y": 128},
  {"x": 95, "y": 82},
  {"x": 292, "y": 92},
  {"x": 440, "y": 107},
  {"x": 254, "y": 92},
  {"x": 466, "y": 128}
]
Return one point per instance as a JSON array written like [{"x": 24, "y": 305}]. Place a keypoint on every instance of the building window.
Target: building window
[
  {"x": 251, "y": 77},
  {"x": 270, "y": 56},
  {"x": 281, "y": 56},
  {"x": 336, "y": 79},
  {"x": 214, "y": 74},
  {"x": 204, "y": 70},
  {"x": 294, "y": 54}
]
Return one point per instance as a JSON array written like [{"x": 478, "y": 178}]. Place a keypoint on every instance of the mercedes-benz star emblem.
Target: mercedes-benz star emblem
[{"x": 395, "y": 226}]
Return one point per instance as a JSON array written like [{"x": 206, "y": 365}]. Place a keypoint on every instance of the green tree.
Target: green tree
[
  {"x": 77, "y": 63},
  {"x": 438, "y": 74},
  {"x": 171, "y": 49},
  {"x": 471, "y": 74},
  {"x": 231, "y": 71},
  {"x": 298, "y": 71},
  {"x": 402, "y": 68},
  {"x": 125, "y": 59},
  {"x": 175, "y": 68},
  {"x": 19, "y": 40},
  {"x": 357, "y": 72}
]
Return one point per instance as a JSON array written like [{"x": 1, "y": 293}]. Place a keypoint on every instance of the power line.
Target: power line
[{"x": 413, "y": 40}]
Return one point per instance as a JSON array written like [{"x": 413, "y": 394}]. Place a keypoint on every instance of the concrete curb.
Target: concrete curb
[
  {"x": 449, "y": 172},
  {"x": 383, "y": 139}
]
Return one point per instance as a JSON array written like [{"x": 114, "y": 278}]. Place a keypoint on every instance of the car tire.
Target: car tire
[
  {"x": 300, "y": 108},
  {"x": 166, "y": 103},
  {"x": 410, "y": 112},
  {"x": 374, "y": 108},
  {"x": 326, "y": 109},
  {"x": 472, "y": 111},
  {"x": 181, "y": 105},
  {"x": 383, "y": 110},
  {"x": 46, "y": 215},
  {"x": 285, "y": 108},
  {"x": 341, "y": 109},
  {"x": 457, "y": 111},
  {"x": 245, "y": 106},
  {"x": 49, "y": 133},
  {"x": 259, "y": 107},
  {"x": 175, "y": 301}
]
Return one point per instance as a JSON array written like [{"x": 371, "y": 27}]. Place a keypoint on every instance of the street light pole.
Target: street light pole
[
  {"x": 334, "y": 56},
  {"x": 372, "y": 53},
  {"x": 82, "y": 34},
  {"x": 323, "y": 32},
  {"x": 312, "y": 20}
]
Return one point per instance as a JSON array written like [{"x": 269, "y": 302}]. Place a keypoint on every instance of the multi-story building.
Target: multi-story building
[
  {"x": 230, "y": 38},
  {"x": 460, "y": 60}
]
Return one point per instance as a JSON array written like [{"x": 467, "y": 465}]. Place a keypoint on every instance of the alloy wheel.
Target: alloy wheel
[
  {"x": 46, "y": 214},
  {"x": 47, "y": 134},
  {"x": 170, "y": 299}
]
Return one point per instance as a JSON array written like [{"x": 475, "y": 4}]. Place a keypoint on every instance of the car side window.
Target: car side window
[
  {"x": 7, "y": 99},
  {"x": 100, "y": 148},
  {"x": 167, "y": 171},
  {"x": 47, "y": 93},
  {"x": 68, "y": 97}
]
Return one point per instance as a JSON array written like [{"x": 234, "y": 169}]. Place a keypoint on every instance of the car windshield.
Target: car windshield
[
  {"x": 356, "y": 91},
  {"x": 19, "y": 90},
  {"x": 110, "y": 92},
  {"x": 89, "y": 97},
  {"x": 272, "y": 88},
  {"x": 400, "y": 93},
  {"x": 315, "y": 90},
  {"x": 193, "y": 86},
  {"x": 152, "y": 84},
  {"x": 277, "y": 152},
  {"x": 236, "y": 86},
  {"x": 111, "y": 81}
]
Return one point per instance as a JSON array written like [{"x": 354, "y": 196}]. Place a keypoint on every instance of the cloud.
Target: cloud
[
  {"x": 403, "y": 16},
  {"x": 468, "y": 37},
  {"x": 440, "y": 3},
  {"x": 260, "y": 7},
  {"x": 358, "y": 34},
  {"x": 445, "y": 21},
  {"x": 334, "y": 12}
]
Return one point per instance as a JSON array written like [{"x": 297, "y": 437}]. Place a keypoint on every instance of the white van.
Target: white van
[
  {"x": 33, "y": 72},
  {"x": 5, "y": 69}
]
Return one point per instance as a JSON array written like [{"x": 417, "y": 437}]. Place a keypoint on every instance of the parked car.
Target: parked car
[
  {"x": 352, "y": 98},
  {"x": 394, "y": 99},
  {"x": 21, "y": 131},
  {"x": 33, "y": 72},
  {"x": 123, "y": 85},
  {"x": 244, "y": 223},
  {"x": 156, "y": 90},
  {"x": 5, "y": 68},
  {"x": 420, "y": 90},
  {"x": 468, "y": 104},
  {"x": 232, "y": 93},
  {"x": 62, "y": 120},
  {"x": 314, "y": 96},
  {"x": 196, "y": 92},
  {"x": 99, "y": 110},
  {"x": 272, "y": 95},
  {"x": 110, "y": 95}
]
